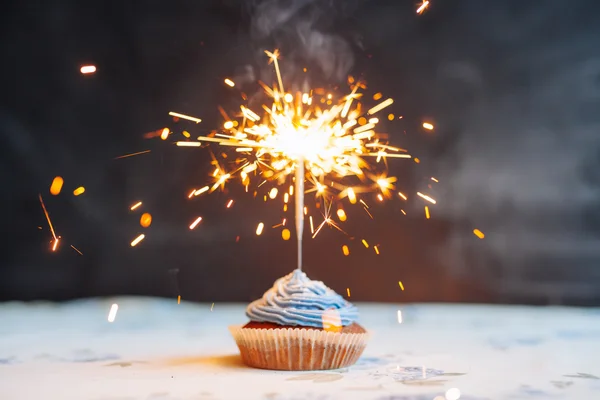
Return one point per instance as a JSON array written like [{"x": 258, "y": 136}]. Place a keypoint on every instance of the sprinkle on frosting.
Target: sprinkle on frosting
[{"x": 298, "y": 301}]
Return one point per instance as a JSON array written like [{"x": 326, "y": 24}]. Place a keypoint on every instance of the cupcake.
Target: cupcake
[{"x": 300, "y": 324}]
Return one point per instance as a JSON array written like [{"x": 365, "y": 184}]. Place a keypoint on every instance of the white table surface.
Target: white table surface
[{"x": 159, "y": 350}]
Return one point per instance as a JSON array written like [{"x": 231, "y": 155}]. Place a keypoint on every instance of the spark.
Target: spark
[
  {"x": 399, "y": 316},
  {"x": 452, "y": 394},
  {"x": 435, "y": 180},
  {"x": 341, "y": 214},
  {"x": 312, "y": 227},
  {"x": 259, "y": 229},
  {"x": 364, "y": 242},
  {"x": 229, "y": 82},
  {"x": 183, "y": 116},
  {"x": 146, "y": 220},
  {"x": 273, "y": 193},
  {"x": 188, "y": 144},
  {"x": 77, "y": 250},
  {"x": 425, "y": 197},
  {"x": 80, "y": 190},
  {"x": 348, "y": 291},
  {"x": 427, "y": 126},
  {"x": 211, "y": 307},
  {"x": 132, "y": 154},
  {"x": 112, "y": 314},
  {"x": 87, "y": 69},
  {"x": 376, "y": 250},
  {"x": 136, "y": 205},
  {"x": 380, "y": 106},
  {"x": 230, "y": 203},
  {"x": 195, "y": 223},
  {"x": 345, "y": 250},
  {"x": 401, "y": 285},
  {"x": 351, "y": 196},
  {"x": 403, "y": 212},
  {"x": 179, "y": 299},
  {"x": 200, "y": 191},
  {"x": 402, "y": 195},
  {"x": 427, "y": 212},
  {"x": 164, "y": 134},
  {"x": 48, "y": 219},
  {"x": 422, "y": 7},
  {"x": 56, "y": 186},
  {"x": 286, "y": 234},
  {"x": 478, "y": 233},
  {"x": 55, "y": 245},
  {"x": 137, "y": 240}
]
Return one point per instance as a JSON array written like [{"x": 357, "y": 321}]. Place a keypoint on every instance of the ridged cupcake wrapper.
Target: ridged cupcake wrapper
[{"x": 298, "y": 349}]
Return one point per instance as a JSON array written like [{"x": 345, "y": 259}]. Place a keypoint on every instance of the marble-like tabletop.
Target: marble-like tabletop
[{"x": 157, "y": 349}]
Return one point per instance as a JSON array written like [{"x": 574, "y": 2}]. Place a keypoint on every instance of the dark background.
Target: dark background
[{"x": 513, "y": 88}]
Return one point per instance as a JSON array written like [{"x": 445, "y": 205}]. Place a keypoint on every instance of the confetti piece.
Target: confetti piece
[
  {"x": 136, "y": 205},
  {"x": 80, "y": 190},
  {"x": 229, "y": 82},
  {"x": 137, "y": 240},
  {"x": 87, "y": 69},
  {"x": 112, "y": 314},
  {"x": 401, "y": 285},
  {"x": 146, "y": 220},
  {"x": 56, "y": 186},
  {"x": 345, "y": 250},
  {"x": 478, "y": 233},
  {"x": 259, "y": 228},
  {"x": 195, "y": 223}
]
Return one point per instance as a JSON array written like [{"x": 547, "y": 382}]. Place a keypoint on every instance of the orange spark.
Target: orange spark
[
  {"x": 183, "y": 116},
  {"x": 56, "y": 186},
  {"x": 146, "y": 220},
  {"x": 286, "y": 234},
  {"x": 478, "y": 233},
  {"x": 47, "y": 217},
  {"x": 425, "y": 197},
  {"x": 345, "y": 250},
  {"x": 164, "y": 135},
  {"x": 77, "y": 250},
  {"x": 55, "y": 245},
  {"x": 78, "y": 191},
  {"x": 427, "y": 126},
  {"x": 133, "y": 154},
  {"x": 365, "y": 243},
  {"x": 427, "y": 212},
  {"x": 229, "y": 82},
  {"x": 422, "y": 7},
  {"x": 259, "y": 228},
  {"x": 401, "y": 285},
  {"x": 87, "y": 69}
]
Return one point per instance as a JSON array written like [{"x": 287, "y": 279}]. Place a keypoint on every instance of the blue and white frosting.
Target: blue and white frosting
[{"x": 296, "y": 300}]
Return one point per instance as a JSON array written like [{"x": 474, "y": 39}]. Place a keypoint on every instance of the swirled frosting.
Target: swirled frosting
[{"x": 298, "y": 301}]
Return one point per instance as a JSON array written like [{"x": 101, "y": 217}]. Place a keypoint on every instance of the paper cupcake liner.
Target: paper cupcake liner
[{"x": 298, "y": 349}]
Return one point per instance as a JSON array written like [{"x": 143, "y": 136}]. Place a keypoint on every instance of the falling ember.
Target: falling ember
[
  {"x": 230, "y": 203},
  {"x": 229, "y": 125},
  {"x": 305, "y": 210},
  {"x": 478, "y": 233},
  {"x": 376, "y": 250},
  {"x": 348, "y": 291},
  {"x": 77, "y": 250},
  {"x": 286, "y": 234},
  {"x": 345, "y": 250},
  {"x": 341, "y": 214},
  {"x": 164, "y": 135},
  {"x": 78, "y": 191},
  {"x": 195, "y": 223},
  {"x": 200, "y": 191},
  {"x": 178, "y": 299},
  {"x": 435, "y": 180},
  {"x": 132, "y": 154},
  {"x": 380, "y": 106},
  {"x": 88, "y": 69},
  {"x": 403, "y": 212},
  {"x": 364, "y": 242},
  {"x": 137, "y": 240},
  {"x": 136, "y": 205},
  {"x": 56, "y": 186},
  {"x": 401, "y": 285},
  {"x": 427, "y": 126},
  {"x": 55, "y": 245},
  {"x": 312, "y": 227},
  {"x": 427, "y": 212},
  {"x": 351, "y": 196},
  {"x": 48, "y": 218},
  {"x": 286, "y": 198},
  {"x": 422, "y": 7},
  {"x": 188, "y": 144},
  {"x": 399, "y": 316},
  {"x": 112, "y": 314},
  {"x": 425, "y": 197},
  {"x": 146, "y": 220},
  {"x": 259, "y": 228},
  {"x": 229, "y": 82},
  {"x": 402, "y": 195},
  {"x": 273, "y": 193},
  {"x": 417, "y": 160},
  {"x": 379, "y": 197},
  {"x": 183, "y": 116}
]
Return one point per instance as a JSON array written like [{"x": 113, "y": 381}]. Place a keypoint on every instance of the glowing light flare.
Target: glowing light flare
[
  {"x": 201, "y": 190},
  {"x": 259, "y": 229},
  {"x": 273, "y": 193},
  {"x": 55, "y": 244},
  {"x": 112, "y": 313},
  {"x": 422, "y": 7},
  {"x": 136, "y": 205},
  {"x": 183, "y": 116},
  {"x": 345, "y": 250},
  {"x": 195, "y": 223},
  {"x": 229, "y": 82},
  {"x": 87, "y": 69},
  {"x": 351, "y": 196},
  {"x": 79, "y": 191},
  {"x": 137, "y": 240},
  {"x": 56, "y": 186},
  {"x": 427, "y": 126},
  {"x": 425, "y": 197},
  {"x": 478, "y": 233},
  {"x": 341, "y": 215},
  {"x": 434, "y": 179}
]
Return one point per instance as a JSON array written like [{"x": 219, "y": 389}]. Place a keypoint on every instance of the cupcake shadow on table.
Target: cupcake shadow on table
[{"x": 300, "y": 325}]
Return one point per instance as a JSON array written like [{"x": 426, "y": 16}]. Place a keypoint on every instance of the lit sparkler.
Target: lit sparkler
[{"x": 295, "y": 139}]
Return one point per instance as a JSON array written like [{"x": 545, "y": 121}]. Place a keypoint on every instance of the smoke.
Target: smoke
[{"x": 299, "y": 29}]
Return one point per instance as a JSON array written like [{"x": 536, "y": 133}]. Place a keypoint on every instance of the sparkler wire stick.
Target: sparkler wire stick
[{"x": 299, "y": 207}]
